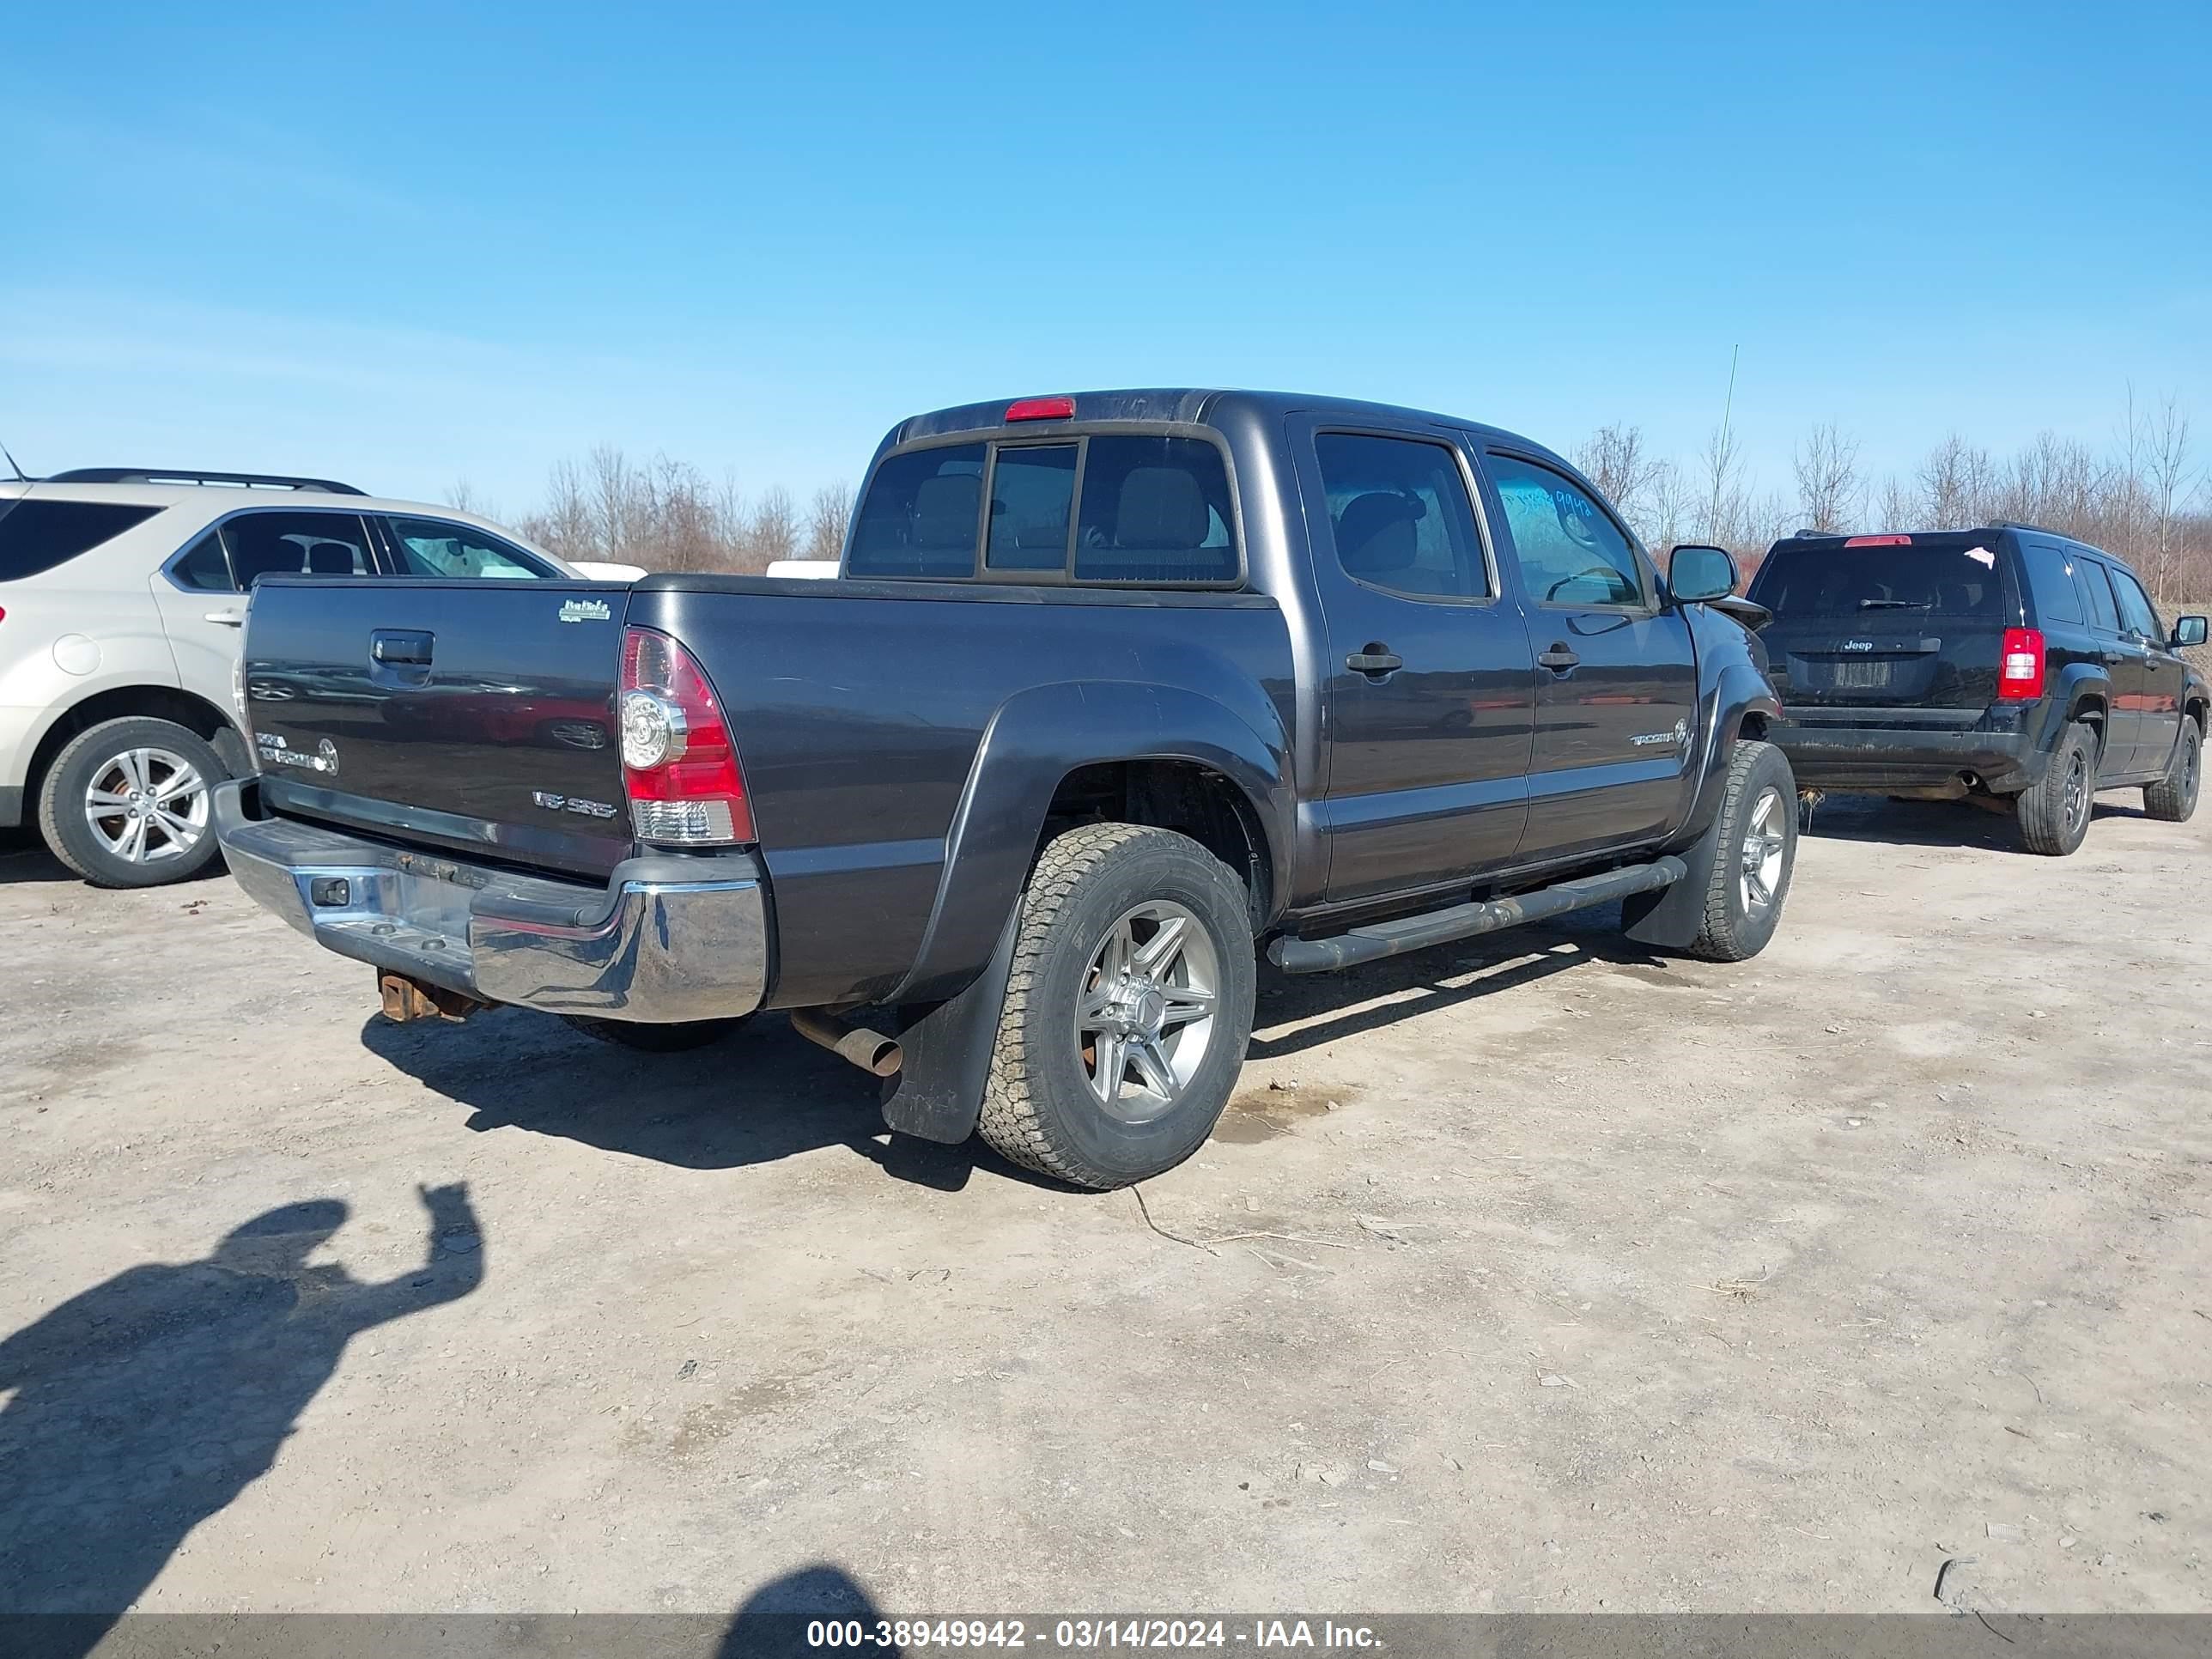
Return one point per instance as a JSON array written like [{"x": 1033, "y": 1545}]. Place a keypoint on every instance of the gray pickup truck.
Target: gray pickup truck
[{"x": 1113, "y": 693}]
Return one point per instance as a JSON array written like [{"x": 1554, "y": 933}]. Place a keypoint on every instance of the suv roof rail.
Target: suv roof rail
[
  {"x": 192, "y": 475},
  {"x": 2021, "y": 523}
]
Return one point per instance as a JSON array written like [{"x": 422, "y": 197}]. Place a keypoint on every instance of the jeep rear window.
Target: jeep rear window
[
  {"x": 1149, "y": 510},
  {"x": 1855, "y": 582},
  {"x": 37, "y": 535}
]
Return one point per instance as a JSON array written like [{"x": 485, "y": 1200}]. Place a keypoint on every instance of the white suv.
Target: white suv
[{"x": 122, "y": 594}]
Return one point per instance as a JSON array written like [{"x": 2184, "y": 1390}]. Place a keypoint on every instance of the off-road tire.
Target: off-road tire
[
  {"x": 2049, "y": 825},
  {"x": 1039, "y": 1110},
  {"x": 2172, "y": 799},
  {"x": 1731, "y": 930},
  {"x": 653, "y": 1038},
  {"x": 69, "y": 835}
]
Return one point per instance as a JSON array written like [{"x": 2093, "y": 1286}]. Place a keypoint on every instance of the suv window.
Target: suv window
[
  {"x": 38, "y": 535},
  {"x": 1851, "y": 582},
  {"x": 433, "y": 547},
  {"x": 1154, "y": 510},
  {"x": 203, "y": 566},
  {"x": 1402, "y": 520},
  {"x": 1571, "y": 553},
  {"x": 297, "y": 544},
  {"x": 2136, "y": 611},
  {"x": 921, "y": 514},
  {"x": 2097, "y": 594},
  {"x": 2051, "y": 579}
]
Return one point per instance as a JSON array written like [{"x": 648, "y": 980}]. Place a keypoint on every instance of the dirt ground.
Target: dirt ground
[{"x": 1542, "y": 1276}]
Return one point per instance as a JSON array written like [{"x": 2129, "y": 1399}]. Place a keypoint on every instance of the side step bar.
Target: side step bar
[{"x": 1391, "y": 939}]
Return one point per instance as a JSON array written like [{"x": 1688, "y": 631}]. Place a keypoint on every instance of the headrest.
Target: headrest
[
  {"x": 1160, "y": 507},
  {"x": 944, "y": 510},
  {"x": 1375, "y": 532}
]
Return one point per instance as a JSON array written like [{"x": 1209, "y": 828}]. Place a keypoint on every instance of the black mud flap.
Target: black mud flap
[
  {"x": 1673, "y": 916},
  {"x": 945, "y": 1050}
]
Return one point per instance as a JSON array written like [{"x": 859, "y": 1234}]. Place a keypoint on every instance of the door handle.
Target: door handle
[
  {"x": 228, "y": 618},
  {"x": 1377, "y": 661},
  {"x": 409, "y": 648},
  {"x": 1560, "y": 660}
]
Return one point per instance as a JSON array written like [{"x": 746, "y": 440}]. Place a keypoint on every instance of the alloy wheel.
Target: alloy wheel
[
  {"x": 1144, "y": 1018},
  {"x": 148, "y": 805}
]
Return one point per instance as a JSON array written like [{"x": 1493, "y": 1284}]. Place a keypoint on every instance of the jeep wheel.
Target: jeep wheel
[
  {"x": 1127, "y": 1009},
  {"x": 2173, "y": 798},
  {"x": 1758, "y": 853},
  {"x": 2054, "y": 810},
  {"x": 656, "y": 1038},
  {"x": 126, "y": 802}
]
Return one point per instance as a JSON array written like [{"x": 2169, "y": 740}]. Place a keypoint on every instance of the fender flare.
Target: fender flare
[
  {"x": 1739, "y": 690},
  {"x": 2076, "y": 683},
  {"x": 1035, "y": 739}
]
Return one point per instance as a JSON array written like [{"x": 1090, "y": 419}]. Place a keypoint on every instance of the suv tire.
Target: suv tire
[
  {"x": 127, "y": 803},
  {"x": 655, "y": 1037},
  {"x": 1133, "y": 947},
  {"x": 1757, "y": 856},
  {"x": 2173, "y": 798},
  {"x": 2054, "y": 812}
]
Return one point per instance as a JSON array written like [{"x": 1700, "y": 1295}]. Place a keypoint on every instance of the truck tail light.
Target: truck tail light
[
  {"x": 1041, "y": 409},
  {"x": 2019, "y": 664},
  {"x": 679, "y": 762},
  {"x": 1878, "y": 541}
]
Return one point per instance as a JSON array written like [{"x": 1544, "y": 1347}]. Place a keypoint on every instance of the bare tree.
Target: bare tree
[
  {"x": 1955, "y": 485},
  {"x": 1722, "y": 475},
  {"x": 771, "y": 530},
  {"x": 828, "y": 518},
  {"x": 2167, "y": 474},
  {"x": 1829, "y": 491},
  {"x": 1615, "y": 458}
]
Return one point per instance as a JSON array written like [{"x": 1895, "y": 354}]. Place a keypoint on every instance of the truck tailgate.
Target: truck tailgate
[{"x": 473, "y": 715}]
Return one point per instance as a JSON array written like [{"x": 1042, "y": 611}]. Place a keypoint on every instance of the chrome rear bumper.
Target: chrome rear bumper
[{"x": 668, "y": 938}]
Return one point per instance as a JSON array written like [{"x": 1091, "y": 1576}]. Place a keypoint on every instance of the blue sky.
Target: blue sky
[{"x": 411, "y": 245}]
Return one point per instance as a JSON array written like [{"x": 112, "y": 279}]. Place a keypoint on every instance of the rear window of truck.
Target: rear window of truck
[
  {"x": 1114, "y": 509},
  {"x": 36, "y": 536},
  {"x": 1855, "y": 582}
]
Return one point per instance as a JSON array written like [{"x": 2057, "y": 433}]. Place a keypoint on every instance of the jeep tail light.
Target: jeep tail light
[
  {"x": 2019, "y": 664},
  {"x": 679, "y": 762}
]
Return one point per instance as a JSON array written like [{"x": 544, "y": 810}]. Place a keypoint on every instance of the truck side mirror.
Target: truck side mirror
[
  {"x": 2188, "y": 631},
  {"x": 1695, "y": 573}
]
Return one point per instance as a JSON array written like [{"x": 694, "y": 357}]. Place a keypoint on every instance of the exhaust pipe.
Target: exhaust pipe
[{"x": 872, "y": 1051}]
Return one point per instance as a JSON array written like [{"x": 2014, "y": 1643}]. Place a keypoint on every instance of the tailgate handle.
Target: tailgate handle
[{"x": 393, "y": 646}]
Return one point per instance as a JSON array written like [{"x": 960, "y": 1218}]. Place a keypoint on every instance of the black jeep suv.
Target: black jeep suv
[{"x": 2007, "y": 662}]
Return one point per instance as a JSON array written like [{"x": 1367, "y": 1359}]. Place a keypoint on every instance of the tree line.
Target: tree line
[
  {"x": 2145, "y": 496},
  {"x": 666, "y": 515}
]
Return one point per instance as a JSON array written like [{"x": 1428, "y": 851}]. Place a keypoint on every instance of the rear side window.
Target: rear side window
[
  {"x": 297, "y": 544},
  {"x": 37, "y": 535},
  {"x": 920, "y": 515},
  {"x": 203, "y": 566},
  {"x": 432, "y": 547},
  {"x": 1154, "y": 510},
  {"x": 1399, "y": 511},
  {"x": 2051, "y": 578},
  {"x": 2097, "y": 594},
  {"x": 1851, "y": 582}
]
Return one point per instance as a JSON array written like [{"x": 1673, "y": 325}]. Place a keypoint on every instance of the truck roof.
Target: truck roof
[{"x": 1199, "y": 406}]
